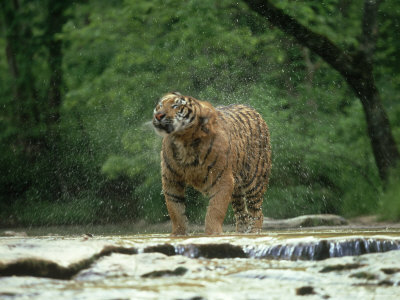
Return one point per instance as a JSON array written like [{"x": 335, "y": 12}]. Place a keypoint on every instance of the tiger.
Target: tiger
[{"x": 224, "y": 152}]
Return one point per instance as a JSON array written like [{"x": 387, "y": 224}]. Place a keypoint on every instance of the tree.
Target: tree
[
  {"x": 34, "y": 57},
  {"x": 356, "y": 66}
]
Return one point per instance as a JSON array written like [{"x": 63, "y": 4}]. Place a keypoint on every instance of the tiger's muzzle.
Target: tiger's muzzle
[{"x": 162, "y": 124}]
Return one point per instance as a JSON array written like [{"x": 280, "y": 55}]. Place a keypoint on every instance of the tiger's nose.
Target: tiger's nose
[{"x": 159, "y": 116}]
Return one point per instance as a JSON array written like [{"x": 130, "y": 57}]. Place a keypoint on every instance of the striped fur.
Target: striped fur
[{"x": 223, "y": 152}]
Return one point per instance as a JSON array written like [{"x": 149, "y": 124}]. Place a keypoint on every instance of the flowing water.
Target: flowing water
[{"x": 334, "y": 264}]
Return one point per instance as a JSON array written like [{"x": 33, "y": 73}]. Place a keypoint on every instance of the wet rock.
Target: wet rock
[
  {"x": 166, "y": 249},
  {"x": 305, "y": 290},
  {"x": 386, "y": 283},
  {"x": 179, "y": 271},
  {"x": 364, "y": 275},
  {"x": 87, "y": 236},
  {"x": 340, "y": 268},
  {"x": 390, "y": 271},
  {"x": 37, "y": 268},
  {"x": 44, "y": 268},
  {"x": 116, "y": 249},
  {"x": 305, "y": 221},
  {"x": 224, "y": 250},
  {"x": 8, "y": 295}
]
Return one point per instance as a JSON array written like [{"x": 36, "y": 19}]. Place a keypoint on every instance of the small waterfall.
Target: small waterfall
[
  {"x": 322, "y": 249},
  {"x": 305, "y": 250}
]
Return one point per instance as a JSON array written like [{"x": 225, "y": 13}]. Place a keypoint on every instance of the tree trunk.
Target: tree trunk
[
  {"x": 54, "y": 23},
  {"x": 379, "y": 130},
  {"x": 19, "y": 52},
  {"x": 357, "y": 69}
]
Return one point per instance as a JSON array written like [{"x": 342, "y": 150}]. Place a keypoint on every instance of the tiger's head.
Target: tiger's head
[{"x": 173, "y": 113}]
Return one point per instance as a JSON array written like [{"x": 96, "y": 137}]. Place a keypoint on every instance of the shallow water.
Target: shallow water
[{"x": 155, "y": 266}]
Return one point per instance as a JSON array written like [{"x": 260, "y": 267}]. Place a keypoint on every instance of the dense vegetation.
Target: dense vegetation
[{"x": 78, "y": 83}]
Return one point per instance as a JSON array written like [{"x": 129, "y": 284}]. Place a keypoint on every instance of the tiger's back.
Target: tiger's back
[{"x": 223, "y": 152}]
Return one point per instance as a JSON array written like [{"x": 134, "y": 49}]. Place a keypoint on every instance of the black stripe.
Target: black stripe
[
  {"x": 252, "y": 208},
  {"x": 195, "y": 163},
  {"x": 204, "y": 129},
  {"x": 213, "y": 195},
  {"x": 240, "y": 119},
  {"x": 242, "y": 216},
  {"x": 223, "y": 170},
  {"x": 209, "y": 150},
  {"x": 209, "y": 168},
  {"x": 216, "y": 179},
  {"x": 259, "y": 185},
  {"x": 175, "y": 183},
  {"x": 238, "y": 205},
  {"x": 169, "y": 166},
  {"x": 234, "y": 116},
  {"x": 237, "y": 196},
  {"x": 175, "y": 198},
  {"x": 174, "y": 151},
  {"x": 255, "y": 210},
  {"x": 254, "y": 202},
  {"x": 255, "y": 196}
]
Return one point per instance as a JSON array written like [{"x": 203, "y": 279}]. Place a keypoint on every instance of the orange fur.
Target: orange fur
[{"x": 223, "y": 152}]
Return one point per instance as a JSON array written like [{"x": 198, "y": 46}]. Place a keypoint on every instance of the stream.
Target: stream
[{"x": 278, "y": 264}]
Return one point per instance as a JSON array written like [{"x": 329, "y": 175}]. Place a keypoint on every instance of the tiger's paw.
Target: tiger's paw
[{"x": 178, "y": 233}]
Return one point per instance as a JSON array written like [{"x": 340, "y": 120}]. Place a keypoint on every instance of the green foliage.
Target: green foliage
[
  {"x": 101, "y": 161},
  {"x": 389, "y": 203}
]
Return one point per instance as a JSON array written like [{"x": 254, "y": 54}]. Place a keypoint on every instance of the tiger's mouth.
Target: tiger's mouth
[{"x": 163, "y": 127}]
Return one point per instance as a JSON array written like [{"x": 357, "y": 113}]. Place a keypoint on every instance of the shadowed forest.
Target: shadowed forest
[{"x": 79, "y": 81}]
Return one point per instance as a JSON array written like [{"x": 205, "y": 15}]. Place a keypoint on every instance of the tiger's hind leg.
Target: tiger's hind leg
[
  {"x": 254, "y": 208},
  {"x": 243, "y": 218}
]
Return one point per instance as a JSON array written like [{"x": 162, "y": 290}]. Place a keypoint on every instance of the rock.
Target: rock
[
  {"x": 364, "y": 275},
  {"x": 390, "y": 271},
  {"x": 340, "y": 267},
  {"x": 305, "y": 221},
  {"x": 179, "y": 271},
  {"x": 37, "y": 268},
  {"x": 305, "y": 290},
  {"x": 224, "y": 250},
  {"x": 44, "y": 268},
  {"x": 386, "y": 283},
  {"x": 166, "y": 249}
]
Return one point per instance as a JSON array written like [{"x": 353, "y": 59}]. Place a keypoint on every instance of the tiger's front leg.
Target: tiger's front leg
[
  {"x": 175, "y": 201},
  {"x": 174, "y": 193},
  {"x": 176, "y": 212},
  {"x": 220, "y": 197}
]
